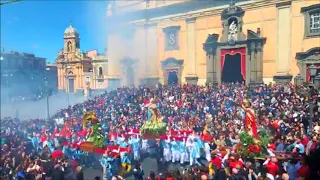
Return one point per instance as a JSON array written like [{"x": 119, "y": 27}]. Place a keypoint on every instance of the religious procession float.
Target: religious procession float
[{"x": 153, "y": 128}]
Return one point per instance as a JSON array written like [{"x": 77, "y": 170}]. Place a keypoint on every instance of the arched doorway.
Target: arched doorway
[
  {"x": 173, "y": 77},
  {"x": 231, "y": 72},
  {"x": 172, "y": 69}
]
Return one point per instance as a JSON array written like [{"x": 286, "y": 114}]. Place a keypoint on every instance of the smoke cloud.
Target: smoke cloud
[{"x": 29, "y": 109}]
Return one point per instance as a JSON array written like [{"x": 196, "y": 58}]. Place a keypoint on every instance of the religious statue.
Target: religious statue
[
  {"x": 250, "y": 119},
  {"x": 95, "y": 134},
  {"x": 233, "y": 30},
  {"x": 152, "y": 111},
  {"x": 153, "y": 126}
]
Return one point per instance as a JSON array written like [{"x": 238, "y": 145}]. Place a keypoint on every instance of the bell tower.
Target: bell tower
[{"x": 71, "y": 42}]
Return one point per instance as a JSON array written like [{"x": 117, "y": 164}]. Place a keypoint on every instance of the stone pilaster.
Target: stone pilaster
[
  {"x": 191, "y": 50},
  {"x": 152, "y": 51},
  {"x": 284, "y": 41},
  {"x": 259, "y": 62},
  {"x": 210, "y": 68},
  {"x": 253, "y": 60}
]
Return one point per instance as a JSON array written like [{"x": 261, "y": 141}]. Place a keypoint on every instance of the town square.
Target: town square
[{"x": 160, "y": 90}]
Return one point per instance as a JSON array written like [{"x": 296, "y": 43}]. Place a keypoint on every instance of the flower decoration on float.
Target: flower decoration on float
[{"x": 153, "y": 126}]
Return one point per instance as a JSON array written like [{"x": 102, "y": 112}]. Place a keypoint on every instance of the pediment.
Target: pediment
[
  {"x": 171, "y": 62},
  {"x": 313, "y": 53}
]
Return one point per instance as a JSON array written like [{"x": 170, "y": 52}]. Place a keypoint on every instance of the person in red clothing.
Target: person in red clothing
[
  {"x": 305, "y": 140},
  {"x": 272, "y": 166},
  {"x": 235, "y": 162},
  {"x": 216, "y": 160},
  {"x": 303, "y": 171}
]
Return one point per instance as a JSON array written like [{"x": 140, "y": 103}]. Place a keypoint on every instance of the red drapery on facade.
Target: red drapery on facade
[
  {"x": 307, "y": 72},
  {"x": 171, "y": 70},
  {"x": 241, "y": 51}
]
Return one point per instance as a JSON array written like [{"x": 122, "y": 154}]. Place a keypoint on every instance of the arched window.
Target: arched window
[
  {"x": 69, "y": 46},
  {"x": 100, "y": 72}
]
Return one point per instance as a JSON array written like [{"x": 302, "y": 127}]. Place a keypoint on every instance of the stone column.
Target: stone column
[
  {"x": 259, "y": 62},
  {"x": 283, "y": 43},
  {"x": 151, "y": 76},
  {"x": 191, "y": 77},
  {"x": 253, "y": 60},
  {"x": 210, "y": 68},
  {"x": 211, "y": 65}
]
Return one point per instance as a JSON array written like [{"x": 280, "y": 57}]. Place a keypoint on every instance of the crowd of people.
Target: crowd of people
[{"x": 41, "y": 149}]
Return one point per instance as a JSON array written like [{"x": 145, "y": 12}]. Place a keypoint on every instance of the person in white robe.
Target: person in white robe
[
  {"x": 166, "y": 150},
  {"x": 175, "y": 150},
  {"x": 183, "y": 151}
]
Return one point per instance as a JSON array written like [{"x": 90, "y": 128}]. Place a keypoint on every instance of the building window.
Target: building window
[
  {"x": 171, "y": 38},
  {"x": 312, "y": 20},
  {"x": 315, "y": 22},
  {"x": 100, "y": 72},
  {"x": 87, "y": 79}
]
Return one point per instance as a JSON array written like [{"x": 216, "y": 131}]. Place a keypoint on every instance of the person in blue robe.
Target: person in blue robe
[
  {"x": 125, "y": 161},
  {"x": 35, "y": 141},
  {"x": 135, "y": 144},
  {"x": 121, "y": 141},
  {"x": 106, "y": 162}
]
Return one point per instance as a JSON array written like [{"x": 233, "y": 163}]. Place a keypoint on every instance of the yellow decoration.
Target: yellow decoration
[
  {"x": 211, "y": 170},
  {"x": 87, "y": 116}
]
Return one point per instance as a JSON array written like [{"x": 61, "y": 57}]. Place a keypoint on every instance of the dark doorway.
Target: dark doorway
[
  {"x": 71, "y": 85},
  {"x": 231, "y": 72},
  {"x": 130, "y": 75},
  {"x": 172, "y": 78}
]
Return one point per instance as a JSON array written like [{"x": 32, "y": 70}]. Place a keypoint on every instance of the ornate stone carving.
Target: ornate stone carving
[
  {"x": 232, "y": 10},
  {"x": 171, "y": 61},
  {"x": 171, "y": 37},
  {"x": 259, "y": 47},
  {"x": 251, "y": 46},
  {"x": 210, "y": 45},
  {"x": 252, "y": 34}
]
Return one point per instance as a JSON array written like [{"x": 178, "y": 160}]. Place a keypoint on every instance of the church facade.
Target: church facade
[
  {"x": 79, "y": 71},
  {"x": 200, "y": 42}
]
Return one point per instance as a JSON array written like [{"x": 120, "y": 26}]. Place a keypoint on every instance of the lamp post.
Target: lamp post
[
  {"x": 312, "y": 72},
  {"x": 46, "y": 83}
]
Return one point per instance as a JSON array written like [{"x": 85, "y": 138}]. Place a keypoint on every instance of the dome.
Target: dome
[{"x": 71, "y": 31}]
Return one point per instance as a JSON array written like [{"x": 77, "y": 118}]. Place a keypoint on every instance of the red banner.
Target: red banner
[{"x": 241, "y": 51}]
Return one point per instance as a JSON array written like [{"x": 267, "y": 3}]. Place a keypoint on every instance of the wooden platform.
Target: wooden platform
[{"x": 87, "y": 147}]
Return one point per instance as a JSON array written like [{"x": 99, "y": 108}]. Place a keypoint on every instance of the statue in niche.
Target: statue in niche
[
  {"x": 232, "y": 34},
  {"x": 69, "y": 48}
]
